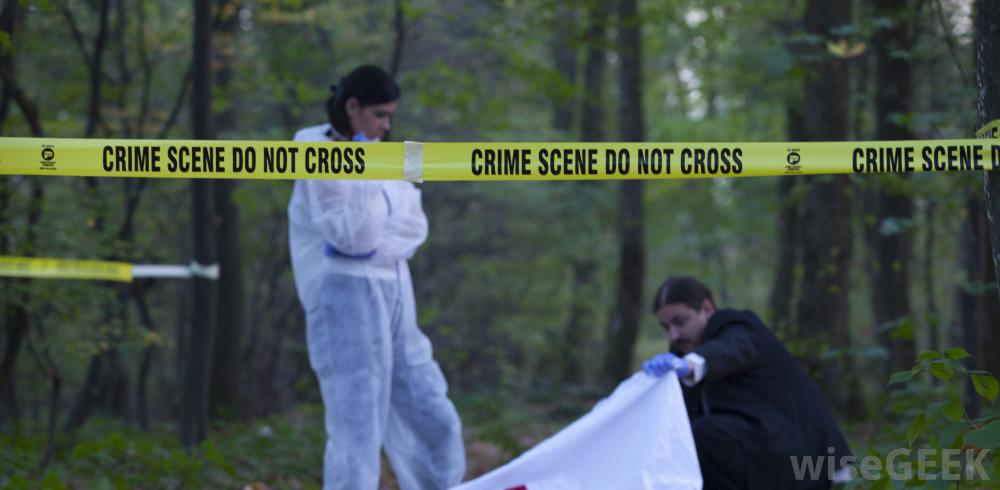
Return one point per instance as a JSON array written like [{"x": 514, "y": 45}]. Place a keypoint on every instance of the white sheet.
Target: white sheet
[{"x": 637, "y": 438}]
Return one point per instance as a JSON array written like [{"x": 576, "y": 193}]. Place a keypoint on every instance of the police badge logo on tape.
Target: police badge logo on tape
[
  {"x": 48, "y": 161},
  {"x": 794, "y": 161}
]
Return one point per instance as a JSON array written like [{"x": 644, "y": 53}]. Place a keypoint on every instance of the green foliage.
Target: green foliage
[
  {"x": 111, "y": 454},
  {"x": 986, "y": 385},
  {"x": 986, "y": 437},
  {"x": 936, "y": 418}
]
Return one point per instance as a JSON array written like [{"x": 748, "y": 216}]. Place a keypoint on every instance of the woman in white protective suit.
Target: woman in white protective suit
[{"x": 350, "y": 241}]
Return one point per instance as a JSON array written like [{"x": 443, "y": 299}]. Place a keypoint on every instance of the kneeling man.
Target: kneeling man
[{"x": 755, "y": 414}]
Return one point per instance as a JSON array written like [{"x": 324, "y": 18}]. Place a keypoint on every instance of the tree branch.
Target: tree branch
[
  {"x": 147, "y": 71},
  {"x": 946, "y": 31},
  {"x": 397, "y": 52},
  {"x": 74, "y": 29},
  {"x": 178, "y": 104}
]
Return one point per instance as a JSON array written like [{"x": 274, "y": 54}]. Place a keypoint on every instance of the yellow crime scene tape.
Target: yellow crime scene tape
[
  {"x": 98, "y": 270},
  {"x": 418, "y": 162}
]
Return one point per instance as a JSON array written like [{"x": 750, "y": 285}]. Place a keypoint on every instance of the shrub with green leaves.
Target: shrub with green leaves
[{"x": 929, "y": 413}]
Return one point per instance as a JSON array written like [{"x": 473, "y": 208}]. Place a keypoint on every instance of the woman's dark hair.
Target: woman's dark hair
[
  {"x": 369, "y": 84},
  {"x": 681, "y": 289}
]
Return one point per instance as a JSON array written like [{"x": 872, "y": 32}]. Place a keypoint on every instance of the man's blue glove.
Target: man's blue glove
[
  {"x": 361, "y": 137},
  {"x": 661, "y": 364}
]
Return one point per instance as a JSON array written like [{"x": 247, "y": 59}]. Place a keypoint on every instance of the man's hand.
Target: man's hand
[{"x": 661, "y": 364}]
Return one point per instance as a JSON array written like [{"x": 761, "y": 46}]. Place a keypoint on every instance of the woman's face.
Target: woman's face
[{"x": 372, "y": 120}]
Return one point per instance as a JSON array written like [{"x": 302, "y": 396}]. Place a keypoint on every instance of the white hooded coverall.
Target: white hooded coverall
[{"x": 350, "y": 241}]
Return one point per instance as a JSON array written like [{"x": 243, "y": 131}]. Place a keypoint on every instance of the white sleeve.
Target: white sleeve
[
  {"x": 405, "y": 228},
  {"x": 843, "y": 475},
  {"x": 698, "y": 369},
  {"x": 350, "y": 215}
]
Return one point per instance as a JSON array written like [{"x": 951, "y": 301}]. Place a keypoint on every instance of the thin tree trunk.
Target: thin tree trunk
[
  {"x": 892, "y": 238},
  {"x": 146, "y": 65},
  {"x": 124, "y": 81},
  {"x": 5, "y": 100},
  {"x": 592, "y": 106},
  {"x": 15, "y": 327},
  {"x": 782, "y": 292},
  {"x": 88, "y": 394},
  {"x": 45, "y": 364},
  {"x": 182, "y": 94},
  {"x": 226, "y": 380},
  {"x": 226, "y": 386},
  {"x": 16, "y": 313},
  {"x": 593, "y": 122},
  {"x": 933, "y": 316},
  {"x": 197, "y": 359},
  {"x": 624, "y": 327},
  {"x": 788, "y": 223},
  {"x": 118, "y": 397},
  {"x": 55, "y": 391},
  {"x": 564, "y": 56},
  {"x": 101, "y": 373},
  {"x": 146, "y": 363},
  {"x": 580, "y": 315},
  {"x": 12, "y": 89},
  {"x": 975, "y": 255},
  {"x": 16, "y": 322},
  {"x": 265, "y": 300},
  {"x": 96, "y": 71},
  {"x": 399, "y": 22},
  {"x": 862, "y": 98}
]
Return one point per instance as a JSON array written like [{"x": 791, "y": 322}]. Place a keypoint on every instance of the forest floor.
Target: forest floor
[{"x": 277, "y": 452}]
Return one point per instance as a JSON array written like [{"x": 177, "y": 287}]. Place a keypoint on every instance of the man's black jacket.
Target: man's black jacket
[{"x": 764, "y": 398}]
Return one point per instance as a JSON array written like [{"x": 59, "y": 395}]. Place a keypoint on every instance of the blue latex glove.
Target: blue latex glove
[
  {"x": 362, "y": 138},
  {"x": 661, "y": 364}
]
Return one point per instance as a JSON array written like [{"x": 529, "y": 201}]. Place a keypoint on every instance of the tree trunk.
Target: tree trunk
[
  {"x": 146, "y": 362},
  {"x": 226, "y": 386},
  {"x": 43, "y": 360},
  {"x": 974, "y": 295},
  {"x": 123, "y": 83},
  {"x": 87, "y": 396},
  {"x": 197, "y": 359},
  {"x": 100, "y": 372},
  {"x": 988, "y": 83},
  {"x": 592, "y": 129},
  {"x": 624, "y": 327},
  {"x": 96, "y": 70},
  {"x": 892, "y": 237},
  {"x": 593, "y": 123},
  {"x": 991, "y": 312},
  {"x": 15, "y": 330},
  {"x": 827, "y": 235},
  {"x": 400, "y": 41},
  {"x": 14, "y": 313},
  {"x": 580, "y": 316},
  {"x": 11, "y": 88},
  {"x": 564, "y": 57},
  {"x": 933, "y": 316},
  {"x": 54, "y": 404},
  {"x": 226, "y": 393},
  {"x": 788, "y": 223}
]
